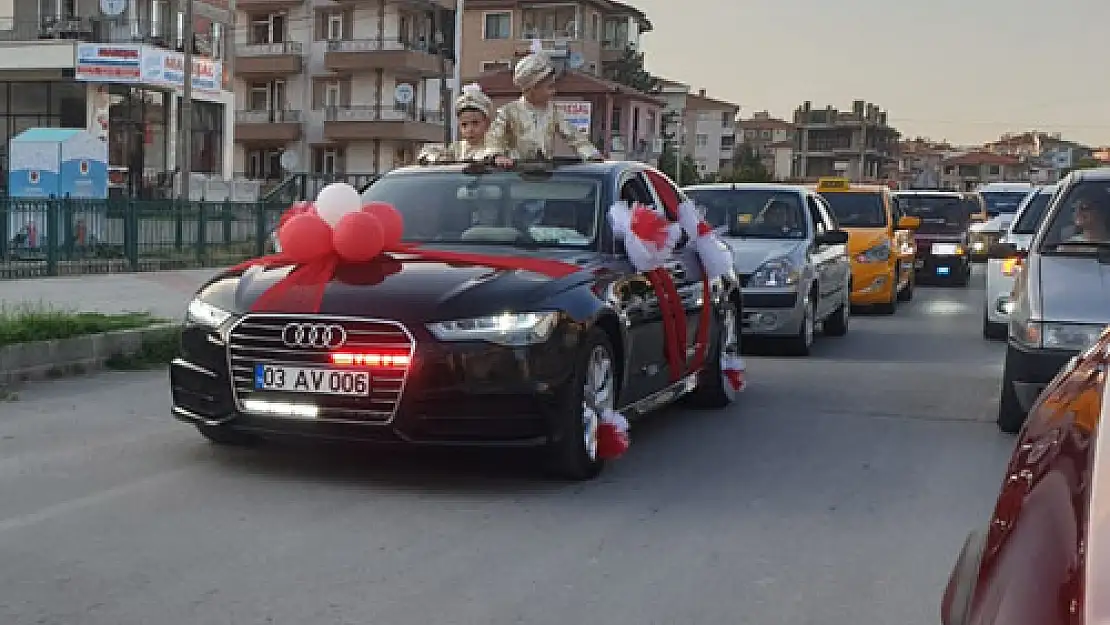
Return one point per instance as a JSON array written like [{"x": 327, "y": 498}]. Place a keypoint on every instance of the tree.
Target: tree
[
  {"x": 747, "y": 167},
  {"x": 629, "y": 71},
  {"x": 667, "y": 165}
]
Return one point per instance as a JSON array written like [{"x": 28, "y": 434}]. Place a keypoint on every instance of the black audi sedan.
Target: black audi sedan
[{"x": 444, "y": 353}]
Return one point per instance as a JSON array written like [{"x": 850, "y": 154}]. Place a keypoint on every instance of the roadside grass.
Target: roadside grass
[
  {"x": 26, "y": 323},
  {"x": 157, "y": 350}
]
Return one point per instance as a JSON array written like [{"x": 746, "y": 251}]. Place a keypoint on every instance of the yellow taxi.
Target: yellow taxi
[{"x": 880, "y": 241}]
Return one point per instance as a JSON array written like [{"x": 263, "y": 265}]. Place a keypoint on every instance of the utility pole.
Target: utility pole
[
  {"x": 185, "y": 132},
  {"x": 460, "y": 6},
  {"x": 440, "y": 38}
]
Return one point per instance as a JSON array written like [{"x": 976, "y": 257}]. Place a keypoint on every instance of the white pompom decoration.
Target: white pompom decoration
[
  {"x": 715, "y": 255},
  {"x": 615, "y": 419},
  {"x": 337, "y": 200},
  {"x": 689, "y": 218},
  {"x": 733, "y": 368}
]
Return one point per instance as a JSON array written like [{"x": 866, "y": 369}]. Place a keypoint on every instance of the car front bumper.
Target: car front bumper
[
  {"x": 772, "y": 312},
  {"x": 1030, "y": 370},
  {"x": 933, "y": 267},
  {"x": 873, "y": 283},
  {"x": 998, "y": 293},
  {"x": 468, "y": 393}
]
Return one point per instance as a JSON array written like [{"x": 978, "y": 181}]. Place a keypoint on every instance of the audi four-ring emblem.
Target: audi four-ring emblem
[{"x": 314, "y": 335}]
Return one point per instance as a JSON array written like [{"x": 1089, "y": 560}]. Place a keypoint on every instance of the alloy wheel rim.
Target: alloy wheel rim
[{"x": 597, "y": 396}]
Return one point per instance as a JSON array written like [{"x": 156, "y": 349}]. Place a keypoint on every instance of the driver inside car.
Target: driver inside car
[
  {"x": 1090, "y": 218},
  {"x": 778, "y": 217}
]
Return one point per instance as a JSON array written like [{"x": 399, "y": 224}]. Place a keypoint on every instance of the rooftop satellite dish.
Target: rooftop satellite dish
[{"x": 576, "y": 60}]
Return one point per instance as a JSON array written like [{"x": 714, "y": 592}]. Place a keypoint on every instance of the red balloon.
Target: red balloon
[
  {"x": 305, "y": 238},
  {"x": 298, "y": 208},
  {"x": 358, "y": 237},
  {"x": 393, "y": 225}
]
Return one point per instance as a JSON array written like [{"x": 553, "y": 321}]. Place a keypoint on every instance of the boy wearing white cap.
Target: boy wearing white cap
[
  {"x": 526, "y": 128},
  {"x": 474, "y": 110}
]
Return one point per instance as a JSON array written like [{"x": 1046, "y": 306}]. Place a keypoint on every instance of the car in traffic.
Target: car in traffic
[
  {"x": 1001, "y": 200},
  {"x": 1061, "y": 297},
  {"x": 880, "y": 242},
  {"x": 457, "y": 353},
  {"x": 1040, "y": 557},
  {"x": 1001, "y": 271},
  {"x": 941, "y": 239},
  {"x": 790, "y": 255}
]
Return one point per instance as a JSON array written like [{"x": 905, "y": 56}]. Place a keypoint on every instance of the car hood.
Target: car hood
[
  {"x": 938, "y": 237},
  {"x": 1074, "y": 289},
  {"x": 411, "y": 289},
  {"x": 995, "y": 224},
  {"x": 1021, "y": 241},
  {"x": 862, "y": 239},
  {"x": 749, "y": 253}
]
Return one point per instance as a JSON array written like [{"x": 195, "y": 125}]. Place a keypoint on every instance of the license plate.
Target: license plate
[
  {"x": 315, "y": 380},
  {"x": 944, "y": 271}
]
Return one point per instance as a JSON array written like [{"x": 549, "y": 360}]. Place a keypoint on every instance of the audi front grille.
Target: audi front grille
[{"x": 266, "y": 339}]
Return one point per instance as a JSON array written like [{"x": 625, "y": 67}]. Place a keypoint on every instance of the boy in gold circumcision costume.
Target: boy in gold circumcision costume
[
  {"x": 474, "y": 111},
  {"x": 526, "y": 128}
]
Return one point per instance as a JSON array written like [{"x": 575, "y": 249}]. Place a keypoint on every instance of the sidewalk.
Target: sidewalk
[{"x": 162, "y": 293}]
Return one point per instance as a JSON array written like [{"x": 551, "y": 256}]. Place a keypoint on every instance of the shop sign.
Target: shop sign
[
  {"x": 579, "y": 114},
  {"x": 147, "y": 66},
  {"x": 108, "y": 63}
]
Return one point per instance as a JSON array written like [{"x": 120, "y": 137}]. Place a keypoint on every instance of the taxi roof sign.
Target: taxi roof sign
[{"x": 833, "y": 184}]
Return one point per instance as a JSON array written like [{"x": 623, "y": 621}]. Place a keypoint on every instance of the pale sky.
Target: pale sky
[{"x": 962, "y": 70}]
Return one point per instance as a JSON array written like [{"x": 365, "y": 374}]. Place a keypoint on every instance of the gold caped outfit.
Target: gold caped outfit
[{"x": 471, "y": 99}]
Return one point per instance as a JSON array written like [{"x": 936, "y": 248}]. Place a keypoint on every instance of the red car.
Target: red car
[{"x": 1042, "y": 559}]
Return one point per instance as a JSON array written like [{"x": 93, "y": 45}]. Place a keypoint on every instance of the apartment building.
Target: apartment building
[
  {"x": 969, "y": 170},
  {"x": 117, "y": 70},
  {"x": 338, "y": 88},
  {"x": 586, "y": 34},
  {"x": 706, "y": 127},
  {"x": 772, "y": 140},
  {"x": 857, "y": 144},
  {"x": 920, "y": 163}
]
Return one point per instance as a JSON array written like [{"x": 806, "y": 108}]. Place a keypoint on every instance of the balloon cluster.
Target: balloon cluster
[{"x": 338, "y": 223}]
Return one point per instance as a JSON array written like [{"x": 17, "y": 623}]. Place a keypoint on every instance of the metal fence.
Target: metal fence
[{"x": 72, "y": 237}]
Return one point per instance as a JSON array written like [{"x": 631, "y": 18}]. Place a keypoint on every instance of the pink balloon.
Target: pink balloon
[
  {"x": 297, "y": 208},
  {"x": 358, "y": 237},
  {"x": 305, "y": 238},
  {"x": 393, "y": 225}
]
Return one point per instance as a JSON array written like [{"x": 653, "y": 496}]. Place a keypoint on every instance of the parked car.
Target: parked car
[
  {"x": 457, "y": 353},
  {"x": 1039, "y": 559},
  {"x": 1061, "y": 297},
  {"x": 943, "y": 253},
  {"x": 880, "y": 242},
  {"x": 1001, "y": 271},
  {"x": 790, "y": 256},
  {"x": 1001, "y": 200}
]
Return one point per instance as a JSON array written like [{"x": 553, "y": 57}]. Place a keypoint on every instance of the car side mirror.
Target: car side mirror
[
  {"x": 1002, "y": 251},
  {"x": 832, "y": 237},
  {"x": 909, "y": 223}
]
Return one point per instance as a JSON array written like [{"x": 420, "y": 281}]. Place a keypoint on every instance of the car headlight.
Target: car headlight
[
  {"x": 1065, "y": 336},
  {"x": 510, "y": 329},
  {"x": 205, "y": 314},
  {"x": 947, "y": 249},
  {"x": 777, "y": 272},
  {"x": 875, "y": 254}
]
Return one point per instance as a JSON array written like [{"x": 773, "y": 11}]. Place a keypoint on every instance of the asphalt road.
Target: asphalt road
[{"x": 836, "y": 492}]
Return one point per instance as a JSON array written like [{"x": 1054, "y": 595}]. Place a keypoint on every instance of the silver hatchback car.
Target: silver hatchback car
[
  {"x": 1061, "y": 296},
  {"x": 790, "y": 255}
]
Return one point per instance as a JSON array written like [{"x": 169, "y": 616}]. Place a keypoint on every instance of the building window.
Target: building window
[
  {"x": 26, "y": 105},
  {"x": 208, "y": 132},
  {"x": 996, "y": 170},
  {"x": 726, "y": 120},
  {"x": 332, "y": 26},
  {"x": 595, "y": 27},
  {"x": 702, "y": 140},
  {"x": 498, "y": 25},
  {"x": 331, "y": 94},
  {"x": 267, "y": 29},
  {"x": 264, "y": 164},
  {"x": 267, "y": 96},
  {"x": 495, "y": 66},
  {"x": 329, "y": 161}
]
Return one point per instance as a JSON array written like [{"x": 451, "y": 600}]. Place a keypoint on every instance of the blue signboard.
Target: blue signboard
[{"x": 57, "y": 162}]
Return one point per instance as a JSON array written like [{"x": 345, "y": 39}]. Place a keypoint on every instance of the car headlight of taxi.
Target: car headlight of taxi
[
  {"x": 1050, "y": 335},
  {"x": 509, "y": 329},
  {"x": 777, "y": 272},
  {"x": 875, "y": 254},
  {"x": 205, "y": 314},
  {"x": 947, "y": 249}
]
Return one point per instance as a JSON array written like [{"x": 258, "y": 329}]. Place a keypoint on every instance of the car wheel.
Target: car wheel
[
  {"x": 802, "y": 344},
  {"x": 993, "y": 330},
  {"x": 1010, "y": 415},
  {"x": 573, "y": 447},
  {"x": 714, "y": 390},
  {"x": 837, "y": 324},
  {"x": 890, "y": 307},
  {"x": 907, "y": 293},
  {"x": 224, "y": 435}
]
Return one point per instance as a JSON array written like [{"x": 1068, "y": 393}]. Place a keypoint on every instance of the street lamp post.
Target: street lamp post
[
  {"x": 457, "y": 74},
  {"x": 185, "y": 160}
]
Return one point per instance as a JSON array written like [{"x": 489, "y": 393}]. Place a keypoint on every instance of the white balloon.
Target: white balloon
[{"x": 336, "y": 200}]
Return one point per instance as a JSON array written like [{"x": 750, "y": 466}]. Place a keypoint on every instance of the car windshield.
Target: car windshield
[
  {"x": 1033, "y": 213},
  {"x": 502, "y": 208},
  {"x": 756, "y": 213},
  {"x": 857, "y": 209},
  {"x": 1003, "y": 201},
  {"x": 1081, "y": 222},
  {"x": 939, "y": 214}
]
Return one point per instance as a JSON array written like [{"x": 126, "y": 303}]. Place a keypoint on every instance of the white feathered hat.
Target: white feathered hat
[
  {"x": 472, "y": 97},
  {"x": 532, "y": 69}
]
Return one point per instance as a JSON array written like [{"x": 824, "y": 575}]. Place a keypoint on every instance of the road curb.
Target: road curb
[{"x": 39, "y": 360}]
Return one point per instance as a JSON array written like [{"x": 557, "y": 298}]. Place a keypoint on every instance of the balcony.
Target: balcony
[
  {"x": 269, "y": 59},
  {"x": 269, "y": 127},
  {"x": 252, "y": 6},
  {"x": 89, "y": 30},
  {"x": 399, "y": 57},
  {"x": 361, "y": 123}
]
